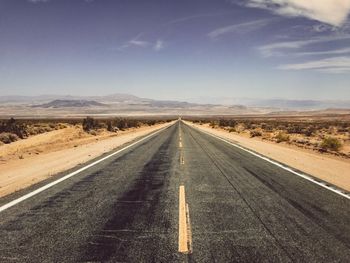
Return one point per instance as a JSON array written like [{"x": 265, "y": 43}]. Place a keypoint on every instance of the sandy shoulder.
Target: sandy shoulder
[
  {"x": 333, "y": 170},
  {"x": 42, "y": 161}
]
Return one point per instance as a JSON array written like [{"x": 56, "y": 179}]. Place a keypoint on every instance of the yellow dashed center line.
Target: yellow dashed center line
[
  {"x": 189, "y": 229},
  {"x": 185, "y": 233},
  {"x": 182, "y": 159}
]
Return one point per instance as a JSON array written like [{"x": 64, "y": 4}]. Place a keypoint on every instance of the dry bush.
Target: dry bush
[
  {"x": 90, "y": 124},
  {"x": 294, "y": 128},
  {"x": 267, "y": 127},
  {"x": 227, "y": 123},
  {"x": 7, "y": 138},
  {"x": 282, "y": 137},
  {"x": 14, "y": 127},
  {"x": 309, "y": 131},
  {"x": 212, "y": 124},
  {"x": 331, "y": 143},
  {"x": 93, "y": 132},
  {"x": 255, "y": 133}
]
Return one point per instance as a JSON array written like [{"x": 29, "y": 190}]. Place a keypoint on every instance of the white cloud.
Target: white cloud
[
  {"x": 327, "y": 65},
  {"x": 333, "y": 12},
  {"x": 242, "y": 27},
  {"x": 138, "y": 43},
  {"x": 279, "y": 48},
  {"x": 325, "y": 52},
  {"x": 159, "y": 45}
]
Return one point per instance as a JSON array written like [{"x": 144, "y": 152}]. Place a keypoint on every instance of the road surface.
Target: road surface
[{"x": 178, "y": 196}]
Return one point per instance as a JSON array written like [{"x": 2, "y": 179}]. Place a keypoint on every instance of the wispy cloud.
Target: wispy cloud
[
  {"x": 333, "y": 12},
  {"x": 280, "y": 48},
  {"x": 240, "y": 28},
  {"x": 138, "y": 43},
  {"x": 159, "y": 45},
  {"x": 327, "y": 65},
  {"x": 135, "y": 42},
  {"x": 325, "y": 52}
]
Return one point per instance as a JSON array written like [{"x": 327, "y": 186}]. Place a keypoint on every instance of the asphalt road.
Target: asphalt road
[{"x": 129, "y": 208}]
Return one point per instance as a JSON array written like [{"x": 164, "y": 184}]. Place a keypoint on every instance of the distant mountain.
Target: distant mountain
[
  {"x": 280, "y": 104},
  {"x": 70, "y": 104},
  {"x": 126, "y": 104},
  {"x": 128, "y": 99},
  {"x": 170, "y": 103},
  {"x": 112, "y": 98},
  {"x": 57, "y": 101}
]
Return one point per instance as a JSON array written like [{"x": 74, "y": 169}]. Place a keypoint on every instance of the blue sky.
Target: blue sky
[{"x": 179, "y": 49}]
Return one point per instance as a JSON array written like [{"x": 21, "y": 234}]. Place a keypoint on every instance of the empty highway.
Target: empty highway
[{"x": 179, "y": 195}]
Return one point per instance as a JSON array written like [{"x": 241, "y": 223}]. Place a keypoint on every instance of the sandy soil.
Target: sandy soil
[
  {"x": 29, "y": 161},
  {"x": 334, "y": 170}
]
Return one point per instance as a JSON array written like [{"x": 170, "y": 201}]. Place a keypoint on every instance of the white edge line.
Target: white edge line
[
  {"x": 278, "y": 164},
  {"x": 47, "y": 186}
]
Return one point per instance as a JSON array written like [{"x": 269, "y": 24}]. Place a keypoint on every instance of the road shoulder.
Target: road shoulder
[
  {"x": 328, "y": 169},
  {"x": 22, "y": 173}
]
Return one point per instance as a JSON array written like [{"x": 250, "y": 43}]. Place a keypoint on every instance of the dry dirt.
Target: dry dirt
[
  {"x": 32, "y": 160},
  {"x": 332, "y": 169}
]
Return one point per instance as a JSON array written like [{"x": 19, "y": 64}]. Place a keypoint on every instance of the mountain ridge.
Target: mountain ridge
[
  {"x": 70, "y": 104},
  {"x": 274, "y": 104}
]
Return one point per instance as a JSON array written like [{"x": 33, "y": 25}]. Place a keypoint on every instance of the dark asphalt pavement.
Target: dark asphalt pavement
[{"x": 126, "y": 209}]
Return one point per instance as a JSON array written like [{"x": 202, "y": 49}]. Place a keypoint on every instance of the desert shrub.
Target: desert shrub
[
  {"x": 227, "y": 123},
  {"x": 232, "y": 130},
  {"x": 151, "y": 122},
  {"x": 61, "y": 126},
  {"x": 232, "y": 123},
  {"x": 8, "y": 137},
  {"x": 121, "y": 124},
  {"x": 267, "y": 127},
  {"x": 12, "y": 126},
  {"x": 212, "y": 124},
  {"x": 331, "y": 143},
  {"x": 282, "y": 137},
  {"x": 280, "y": 127},
  {"x": 294, "y": 128},
  {"x": 341, "y": 130},
  {"x": 255, "y": 133},
  {"x": 248, "y": 125},
  {"x": 109, "y": 126},
  {"x": 223, "y": 123},
  {"x": 309, "y": 131},
  {"x": 93, "y": 132},
  {"x": 90, "y": 124},
  {"x": 254, "y": 126}
]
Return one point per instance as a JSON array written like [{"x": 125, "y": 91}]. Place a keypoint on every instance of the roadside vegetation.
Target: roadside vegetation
[
  {"x": 12, "y": 129},
  {"x": 323, "y": 135}
]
